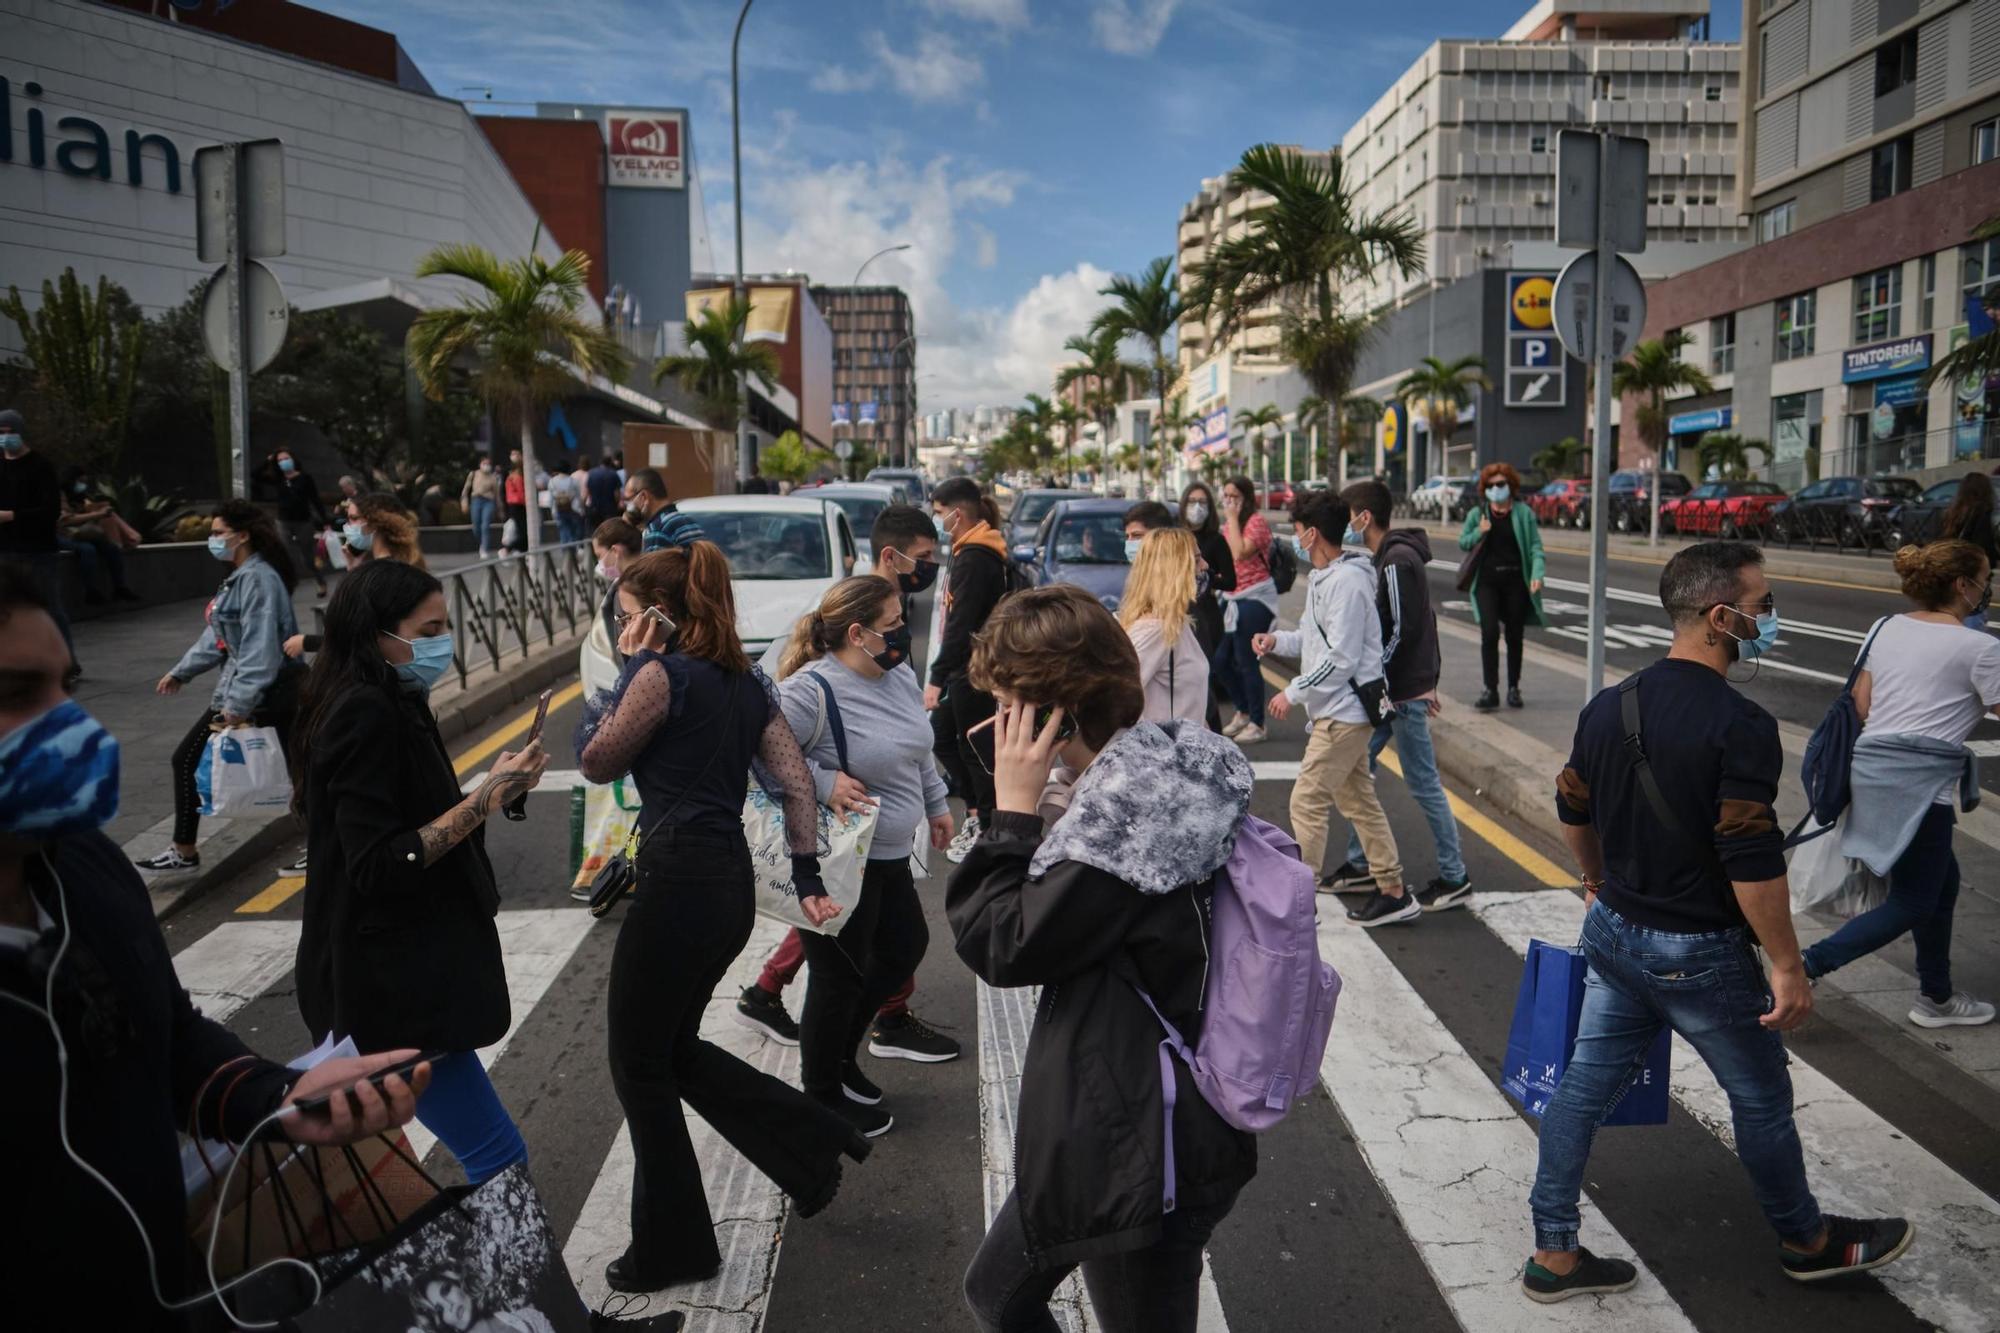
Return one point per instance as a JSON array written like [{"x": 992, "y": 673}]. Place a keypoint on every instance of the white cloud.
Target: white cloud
[
  {"x": 936, "y": 71},
  {"x": 1131, "y": 27},
  {"x": 839, "y": 79},
  {"x": 999, "y": 13},
  {"x": 986, "y": 246}
]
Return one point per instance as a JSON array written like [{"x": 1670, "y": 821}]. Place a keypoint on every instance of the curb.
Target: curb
[
  {"x": 464, "y": 712},
  {"x": 1780, "y": 561},
  {"x": 1499, "y": 778}
]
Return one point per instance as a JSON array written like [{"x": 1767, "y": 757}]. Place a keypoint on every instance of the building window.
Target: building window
[
  {"x": 1878, "y": 304},
  {"x": 1985, "y": 141},
  {"x": 1889, "y": 169},
  {"x": 1979, "y": 268},
  {"x": 1712, "y": 93},
  {"x": 1896, "y": 64},
  {"x": 1777, "y": 220},
  {"x": 1797, "y": 317},
  {"x": 1722, "y": 344},
  {"x": 1540, "y": 144},
  {"x": 1927, "y": 281}
]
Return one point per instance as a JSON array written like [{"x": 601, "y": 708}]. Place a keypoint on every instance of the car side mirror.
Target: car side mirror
[{"x": 1025, "y": 553}]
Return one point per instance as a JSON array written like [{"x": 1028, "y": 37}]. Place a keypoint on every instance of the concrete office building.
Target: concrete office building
[
  {"x": 874, "y": 366},
  {"x": 1876, "y": 153}
]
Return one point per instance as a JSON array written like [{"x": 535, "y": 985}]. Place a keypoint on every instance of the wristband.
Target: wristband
[{"x": 805, "y": 877}]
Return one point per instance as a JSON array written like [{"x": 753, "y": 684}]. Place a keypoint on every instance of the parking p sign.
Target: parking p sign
[{"x": 1535, "y": 360}]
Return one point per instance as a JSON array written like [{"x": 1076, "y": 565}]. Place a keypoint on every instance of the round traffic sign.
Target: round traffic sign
[
  {"x": 843, "y": 449},
  {"x": 266, "y": 316},
  {"x": 1574, "y": 308}
]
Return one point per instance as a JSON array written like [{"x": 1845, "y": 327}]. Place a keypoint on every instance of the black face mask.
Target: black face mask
[
  {"x": 895, "y": 647},
  {"x": 923, "y": 576}
]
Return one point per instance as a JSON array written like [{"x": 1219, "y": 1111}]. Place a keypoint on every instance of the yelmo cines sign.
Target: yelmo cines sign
[{"x": 87, "y": 151}]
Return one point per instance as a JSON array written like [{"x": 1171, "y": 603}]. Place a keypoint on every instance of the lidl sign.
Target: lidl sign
[{"x": 1530, "y": 302}]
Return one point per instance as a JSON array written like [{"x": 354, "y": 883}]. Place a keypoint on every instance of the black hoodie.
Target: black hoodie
[{"x": 1409, "y": 624}]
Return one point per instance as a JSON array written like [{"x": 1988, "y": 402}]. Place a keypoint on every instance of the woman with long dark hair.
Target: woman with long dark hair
[
  {"x": 249, "y": 619},
  {"x": 399, "y": 947},
  {"x": 1248, "y": 609},
  {"x": 1198, "y": 514},
  {"x": 1970, "y": 519},
  {"x": 687, "y": 720}
]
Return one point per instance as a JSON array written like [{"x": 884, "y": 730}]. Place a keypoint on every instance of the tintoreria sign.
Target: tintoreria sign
[{"x": 646, "y": 149}]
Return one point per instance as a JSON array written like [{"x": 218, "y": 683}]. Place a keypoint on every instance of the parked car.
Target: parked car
[
  {"x": 1430, "y": 499},
  {"x": 1029, "y": 509},
  {"x": 862, "y": 502},
  {"x": 1852, "y": 511},
  {"x": 1628, "y": 500},
  {"x": 1279, "y": 495},
  {"x": 1722, "y": 509},
  {"x": 1559, "y": 504},
  {"x": 915, "y": 489},
  {"x": 1080, "y": 541},
  {"x": 784, "y": 552}
]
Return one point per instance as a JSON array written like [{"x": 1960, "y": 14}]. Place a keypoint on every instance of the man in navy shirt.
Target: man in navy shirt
[
  {"x": 601, "y": 491},
  {"x": 660, "y": 524},
  {"x": 1684, "y": 872}
]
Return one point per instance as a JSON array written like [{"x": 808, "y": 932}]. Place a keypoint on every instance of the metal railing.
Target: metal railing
[{"x": 518, "y": 602}]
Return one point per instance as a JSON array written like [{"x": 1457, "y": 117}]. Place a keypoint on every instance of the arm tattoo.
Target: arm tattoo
[{"x": 456, "y": 824}]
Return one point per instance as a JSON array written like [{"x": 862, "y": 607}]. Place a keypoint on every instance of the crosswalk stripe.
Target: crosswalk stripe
[
  {"x": 1422, "y": 1111},
  {"x": 1872, "y": 1170},
  {"x": 235, "y": 963}
]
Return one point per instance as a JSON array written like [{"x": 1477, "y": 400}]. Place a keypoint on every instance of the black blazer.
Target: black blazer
[{"x": 393, "y": 954}]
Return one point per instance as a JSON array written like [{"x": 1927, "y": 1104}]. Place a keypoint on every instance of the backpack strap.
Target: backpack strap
[
  {"x": 1649, "y": 784},
  {"x": 1170, "y": 1045},
  {"x": 830, "y": 715},
  {"x": 1861, "y": 660}
]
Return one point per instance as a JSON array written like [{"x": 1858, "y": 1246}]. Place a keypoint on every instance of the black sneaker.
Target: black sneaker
[
  {"x": 169, "y": 860},
  {"x": 1853, "y": 1245},
  {"x": 870, "y": 1122},
  {"x": 906, "y": 1037},
  {"x": 579, "y": 893},
  {"x": 1487, "y": 701},
  {"x": 297, "y": 867},
  {"x": 759, "y": 1009},
  {"x": 1514, "y": 696},
  {"x": 1382, "y": 910},
  {"x": 1591, "y": 1276},
  {"x": 1442, "y": 895},
  {"x": 1350, "y": 878},
  {"x": 858, "y": 1086}
]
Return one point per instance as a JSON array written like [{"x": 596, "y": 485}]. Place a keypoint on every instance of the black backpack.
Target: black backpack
[{"x": 1283, "y": 563}]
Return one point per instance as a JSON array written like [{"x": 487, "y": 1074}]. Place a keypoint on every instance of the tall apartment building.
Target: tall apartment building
[
  {"x": 1465, "y": 140},
  {"x": 1875, "y": 155},
  {"x": 874, "y": 365}
]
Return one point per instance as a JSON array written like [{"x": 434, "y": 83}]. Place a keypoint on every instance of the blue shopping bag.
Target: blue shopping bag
[{"x": 1544, "y": 1033}]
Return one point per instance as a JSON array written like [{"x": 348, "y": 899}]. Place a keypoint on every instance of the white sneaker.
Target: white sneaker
[
  {"x": 1235, "y": 725},
  {"x": 1250, "y": 735},
  {"x": 1961, "y": 1010},
  {"x": 961, "y": 844}
]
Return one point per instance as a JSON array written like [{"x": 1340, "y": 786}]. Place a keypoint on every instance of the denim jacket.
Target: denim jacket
[
  {"x": 1895, "y": 780},
  {"x": 248, "y": 623}
]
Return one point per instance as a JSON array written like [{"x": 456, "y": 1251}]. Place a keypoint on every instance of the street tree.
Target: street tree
[
  {"x": 84, "y": 346},
  {"x": 1567, "y": 457},
  {"x": 1147, "y": 308},
  {"x": 1067, "y": 417},
  {"x": 526, "y": 327},
  {"x": 1653, "y": 373},
  {"x": 1255, "y": 445},
  {"x": 1976, "y": 360},
  {"x": 1438, "y": 391},
  {"x": 718, "y": 361},
  {"x": 787, "y": 459},
  {"x": 1729, "y": 454}
]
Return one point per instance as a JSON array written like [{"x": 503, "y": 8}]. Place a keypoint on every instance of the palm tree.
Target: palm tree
[
  {"x": 1298, "y": 249},
  {"x": 1253, "y": 422},
  {"x": 1035, "y": 420},
  {"x": 1170, "y": 428},
  {"x": 1105, "y": 371},
  {"x": 1729, "y": 454},
  {"x": 1315, "y": 414},
  {"x": 1652, "y": 372},
  {"x": 1438, "y": 392},
  {"x": 1148, "y": 308},
  {"x": 523, "y": 328},
  {"x": 1565, "y": 458},
  {"x": 718, "y": 361},
  {"x": 1067, "y": 416},
  {"x": 1976, "y": 359}
]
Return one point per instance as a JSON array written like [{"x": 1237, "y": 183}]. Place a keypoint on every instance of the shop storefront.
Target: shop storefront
[
  {"x": 1795, "y": 438},
  {"x": 1887, "y": 409},
  {"x": 1684, "y": 432}
]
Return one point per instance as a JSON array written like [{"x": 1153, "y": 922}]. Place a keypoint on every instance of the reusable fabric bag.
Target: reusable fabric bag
[
  {"x": 845, "y": 840},
  {"x": 1543, "y": 1036},
  {"x": 242, "y": 772}
]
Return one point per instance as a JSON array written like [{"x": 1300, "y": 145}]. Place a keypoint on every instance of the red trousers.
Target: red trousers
[{"x": 789, "y": 956}]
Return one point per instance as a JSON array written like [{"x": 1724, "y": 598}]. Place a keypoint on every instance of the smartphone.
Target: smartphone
[
  {"x": 322, "y": 1107},
  {"x": 518, "y": 807},
  {"x": 1063, "y": 732},
  {"x": 663, "y": 620}
]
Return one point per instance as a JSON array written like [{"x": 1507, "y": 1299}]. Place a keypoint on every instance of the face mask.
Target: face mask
[
  {"x": 1132, "y": 545},
  {"x": 13, "y": 445},
  {"x": 1767, "y": 635},
  {"x": 895, "y": 647},
  {"x": 1985, "y": 600},
  {"x": 1498, "y": 494},
  {"x": 287, "y": 466},
  {"x": 1300, "y": 548},
  {"x": 355, "y": 536},
  {"x": 430, "y": 657},
  {"x": 1196, "y": 513},
  {"x": 607, "y": 571},
  {"x": 943, "y": 528},
  {"x": 218, "y": 547},
  {"x": 1354, "y": 537},
  {"x": 58, "y": 774},
  {"x": 486, "y": 467},
  {"x": 923, "y": 576},
  {"x": 81, "y": 488}
]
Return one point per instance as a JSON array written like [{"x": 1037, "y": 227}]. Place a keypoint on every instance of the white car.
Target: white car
[
  {"x": 784, "y": 552},
  {"x": 1428, "y": 500},
  {"x": 862, "y": 502}
]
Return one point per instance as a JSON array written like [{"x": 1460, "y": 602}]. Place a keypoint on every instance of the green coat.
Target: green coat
[{"x": 1528, "y": 533}]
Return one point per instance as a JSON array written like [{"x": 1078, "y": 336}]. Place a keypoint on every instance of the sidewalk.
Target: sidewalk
[
  {"x": 1780, "y": 561},
  {"x": 123, "y": 658}
]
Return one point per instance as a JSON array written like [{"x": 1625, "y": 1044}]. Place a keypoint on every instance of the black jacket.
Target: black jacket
[
  {"x": 1410, "y": 656},
  {"x": 1088, "y": 1174},
  {"x": 1214, "y": 548},
  {"x": 29, "y": 489},
  {"x": 978, "y": 582},
  {"x": 139, "y": 1057},
  {"x": 298, "y": 499},
  {"x": 393, "y": 954}
]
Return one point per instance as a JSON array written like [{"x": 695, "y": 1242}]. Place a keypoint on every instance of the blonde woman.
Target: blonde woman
[
  {"x": 1155, "y": 613},
  {"x": 391, "y": 532},
  {"x": 858, "y": 714}
]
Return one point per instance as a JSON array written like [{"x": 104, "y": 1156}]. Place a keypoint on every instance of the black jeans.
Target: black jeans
[
  {"x": 970, "y": 707},
  {"x": 687, "y": 920},
  {"x": 944, "y": 749},
  {"x": 1923, "y": 891},
  {"x": 1502, "y": 595},
  {"x": 187, "y": 755},
  {"x": 45, "y": 567},
  {"x": 1154, "y": 1290},
  {"x": 855, "y": 971}
]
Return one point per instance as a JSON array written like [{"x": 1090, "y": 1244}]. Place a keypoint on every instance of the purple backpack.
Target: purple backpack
[{"x": 1268, "y": 1000}]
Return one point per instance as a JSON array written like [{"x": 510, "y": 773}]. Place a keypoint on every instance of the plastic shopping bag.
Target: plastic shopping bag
[
  {"x": 1543, "y": 1035},
  {"x": 1824, "y": 880},
  {"x": 242, "y": 772}
]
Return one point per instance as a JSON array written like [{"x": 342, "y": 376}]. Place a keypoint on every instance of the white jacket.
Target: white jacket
[{"x": 1338, "y": 642}]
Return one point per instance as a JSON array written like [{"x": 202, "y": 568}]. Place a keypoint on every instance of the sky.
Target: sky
[{"x": 1027, "y": 150}]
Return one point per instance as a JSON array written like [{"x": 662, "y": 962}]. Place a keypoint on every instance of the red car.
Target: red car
[
  {"x": 1280, "y": 495},
  {"x": 1562, "y": 504},
  {"x": 1722, "y": 509}
]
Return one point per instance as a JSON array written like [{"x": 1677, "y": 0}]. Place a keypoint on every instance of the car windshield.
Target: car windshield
[
  {"x": 1030, "y": 508},
  {"x": 861, "y": 510},
  {"x": 1943, "y": 493},
  {"x": 1893, "y": 488},
  {"x": 762, "y": 544},
  {"x": 1091, "y": 539},
  {"x": 1759, "y": 488}
]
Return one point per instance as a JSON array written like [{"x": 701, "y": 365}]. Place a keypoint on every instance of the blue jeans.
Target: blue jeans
[
  {"x": 482, "y": 522},
  {"x": 569, "y": 526},
  {"x": 1235, "y": 664},
  {"x": 1923, "y": 890},
  {"x": 1410, "y": 725},
  {"x": 461, "y": 1108},
  {"x": 1710, "y": 990}
]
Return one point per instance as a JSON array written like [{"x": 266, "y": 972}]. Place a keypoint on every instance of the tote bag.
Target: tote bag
[
  {"x": 242, "y": 772},
  {"x": 844, "y": 838},
  {"x": 1543, "y": 1036}
]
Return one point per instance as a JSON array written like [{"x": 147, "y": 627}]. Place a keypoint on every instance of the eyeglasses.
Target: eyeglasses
[{"x": 1753, "y": 609}]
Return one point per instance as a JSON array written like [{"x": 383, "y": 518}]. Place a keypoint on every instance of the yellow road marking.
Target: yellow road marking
[
  {"x": 281, "y": 890},
  {"x": 1494, "y": 836}
]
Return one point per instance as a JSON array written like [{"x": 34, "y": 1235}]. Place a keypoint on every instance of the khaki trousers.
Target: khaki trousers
[{"x": 1334, "y": 772}]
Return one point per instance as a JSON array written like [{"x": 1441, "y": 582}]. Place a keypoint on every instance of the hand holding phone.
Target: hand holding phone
[
  {"x": 349, "y": 1098},
  {"x": 518, "y": 807}
]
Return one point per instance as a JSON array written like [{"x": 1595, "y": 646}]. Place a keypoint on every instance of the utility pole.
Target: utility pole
[
  {"x": 740, "y": 292},
  {"x": 1600, "y": 440}
]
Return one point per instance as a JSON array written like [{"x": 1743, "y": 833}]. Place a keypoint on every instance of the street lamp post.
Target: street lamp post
[
  {"x": 872, "y": 258},
  {"x": 739, "y": 292}
]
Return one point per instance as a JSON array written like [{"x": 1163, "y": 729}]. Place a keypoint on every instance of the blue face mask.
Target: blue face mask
[
  {"x": 1750, "y": 650},
  {"x": 13, "y": 445},
  {"x": 1132, "y": 548},
  {"x": 1498, "y": 494},
  {"x": 430, "y": 658},
  {"x": 1300, "y": 548},
  {"x": 287, "y": 466},
  {"x": 218, "y": 547},
  {"x": 1354, "y": 537},
  {"x": 355, "y": 536},
  {"x": 58, "y": 774}
]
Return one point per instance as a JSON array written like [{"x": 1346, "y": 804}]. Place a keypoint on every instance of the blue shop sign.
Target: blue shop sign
[
  {"x": 1690, "y": 423},
  {"x": 1905, "y": 392},
  {"x": 1898, "y": 356}
]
